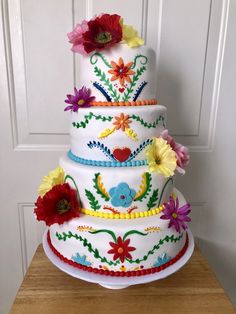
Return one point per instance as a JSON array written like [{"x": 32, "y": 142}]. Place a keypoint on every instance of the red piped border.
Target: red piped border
[{"x": 113, "y": 273}]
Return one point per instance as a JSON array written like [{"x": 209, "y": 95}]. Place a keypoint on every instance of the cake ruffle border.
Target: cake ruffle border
[{"x": 113, "y": 273}]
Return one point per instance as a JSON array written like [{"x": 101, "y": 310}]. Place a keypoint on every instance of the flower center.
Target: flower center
[
  {"x": 122, "y": 197},
  {"x": 103, "y": 38},
  {"x": 81, "y": 102},
  {"x": 158, "y": 160},
  {"x": 174, "y": 215},
  {"x": 62, "y": 206},
  {"x": 120, "y": 250}
]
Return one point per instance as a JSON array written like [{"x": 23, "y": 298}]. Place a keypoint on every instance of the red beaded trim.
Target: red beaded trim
[
  {"x": 144, "y": 102},
  {"x": 120, "y": 273}
]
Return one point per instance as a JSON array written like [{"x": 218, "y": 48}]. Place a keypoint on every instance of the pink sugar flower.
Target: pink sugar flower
[
  {"x": 181, "y": 151},
  {"x": 76, "y": 37}
]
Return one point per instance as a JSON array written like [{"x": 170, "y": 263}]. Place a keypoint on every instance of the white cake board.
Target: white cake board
[{"x": 117, "y": 282}]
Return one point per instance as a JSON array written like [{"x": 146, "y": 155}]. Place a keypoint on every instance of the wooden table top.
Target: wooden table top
[{"x": 193, "y": 289}]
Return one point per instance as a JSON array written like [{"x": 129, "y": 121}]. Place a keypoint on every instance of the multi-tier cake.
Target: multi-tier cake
[{"x": 111, "y": 205}]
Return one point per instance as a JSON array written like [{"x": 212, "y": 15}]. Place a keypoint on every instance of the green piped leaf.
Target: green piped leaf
[
  {"x": 92, "y": 200},
  {"x": 147, "y": 190},
  {"x": 153, "y": 199},
  {"x": 98, "y": 190}
]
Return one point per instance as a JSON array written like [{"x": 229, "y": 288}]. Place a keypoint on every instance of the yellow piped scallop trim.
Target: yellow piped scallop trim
[{"x": 146, "y": 213}]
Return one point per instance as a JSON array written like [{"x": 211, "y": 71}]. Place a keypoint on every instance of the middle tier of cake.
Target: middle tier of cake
[
  {"x": 117, "y": 191},
  {"x": 111, "y": 136}
]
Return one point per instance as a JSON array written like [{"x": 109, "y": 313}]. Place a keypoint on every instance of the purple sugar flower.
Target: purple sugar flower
[
  {"x": 177, "y": 216},
  {"x": 81, "y": 99}
]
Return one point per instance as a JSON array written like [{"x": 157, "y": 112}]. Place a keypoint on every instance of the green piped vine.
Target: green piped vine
[
  {"x": 88, "y": 117},
  {"x": 64, "y": 236},
  {"x": 148, "y": 125},
  {"x": 171, "y": 238},
  {"x": 98, "y": 188},
  {"x": 103, "y": 79},
  {"x": 147, "y": 190},
  {"x": 130, "y": 88},
  {"x": 163, "y": 189}
]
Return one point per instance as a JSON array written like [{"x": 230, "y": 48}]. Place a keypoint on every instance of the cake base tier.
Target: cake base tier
[{"x": 117, "y": 282}]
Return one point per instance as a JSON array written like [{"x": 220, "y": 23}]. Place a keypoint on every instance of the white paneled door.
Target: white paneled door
[{"x": 37, "y": 70}]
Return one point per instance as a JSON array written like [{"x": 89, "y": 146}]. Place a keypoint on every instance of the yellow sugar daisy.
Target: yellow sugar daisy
[
  {"x": 130, "y": 36},
  {"x": 161, "y": 157},
  {"x": 54, "y": 177}
]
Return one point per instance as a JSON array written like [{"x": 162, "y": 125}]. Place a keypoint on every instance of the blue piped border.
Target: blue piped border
[{"x": 101, "y": 163}]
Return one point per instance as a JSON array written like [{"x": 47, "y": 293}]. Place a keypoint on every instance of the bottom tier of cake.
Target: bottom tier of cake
[{"x": 119, "y": 247}]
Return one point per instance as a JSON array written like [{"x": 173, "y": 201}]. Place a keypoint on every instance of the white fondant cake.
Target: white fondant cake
[{"x": 110, "y": 206}]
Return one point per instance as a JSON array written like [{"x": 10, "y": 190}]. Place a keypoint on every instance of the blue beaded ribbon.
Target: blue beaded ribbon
[{"x": 101, "y": 163}]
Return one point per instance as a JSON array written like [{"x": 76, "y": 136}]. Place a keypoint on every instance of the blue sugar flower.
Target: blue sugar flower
[
  {"x": 80, "y": 259},
  {"x": 162, "y": 259},
  {"x": 122, "y": 195}
]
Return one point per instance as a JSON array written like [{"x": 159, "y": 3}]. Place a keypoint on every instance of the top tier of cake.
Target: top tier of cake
[{"x": 119, "y": 74}]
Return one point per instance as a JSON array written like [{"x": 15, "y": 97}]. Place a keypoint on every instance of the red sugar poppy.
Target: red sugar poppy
[
  {"x": 103, "y": 31},
  {"x": 58, "y": 205}
]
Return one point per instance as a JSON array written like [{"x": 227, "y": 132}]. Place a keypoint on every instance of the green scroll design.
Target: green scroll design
[
  {"x": 145, "y": 60},
  {"x": 88, "y": 118},
  {"x": 94, "y": 59},
  {"x": 150, "y": 125},
  {"x": 171, "y": 238},
  {"x": 64, "y": 236}
]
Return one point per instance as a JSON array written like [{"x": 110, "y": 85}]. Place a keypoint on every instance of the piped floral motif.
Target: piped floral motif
[
  {"x": 58, "y": 205},
  {"x": 161, "y": 157},
  {"x": 121, "y": 249},
  {"x": 81, "y": 99},
  {"x": 121, "y": 71},
  {"x": 81, "y": 259},
  {"x": 121, "y": 122},
  {"x": 101, "y": 32},
  {"x": 177, "y": 216},
  {"x": 181, "y": 151},
  {"x": 54, "y": 177},
  {"x": 122, "y": 195},
  {"x": 162, "y": 259}
]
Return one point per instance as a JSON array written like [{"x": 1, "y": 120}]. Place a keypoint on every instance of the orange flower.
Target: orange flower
[
  {"x": 121, "y": 71},
  {"x": 122, "y": 122}
]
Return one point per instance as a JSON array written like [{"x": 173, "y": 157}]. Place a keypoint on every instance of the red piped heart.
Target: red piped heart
[
  {"x": 121, "y": 154},
  {"x": 121, "y": 89}
]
